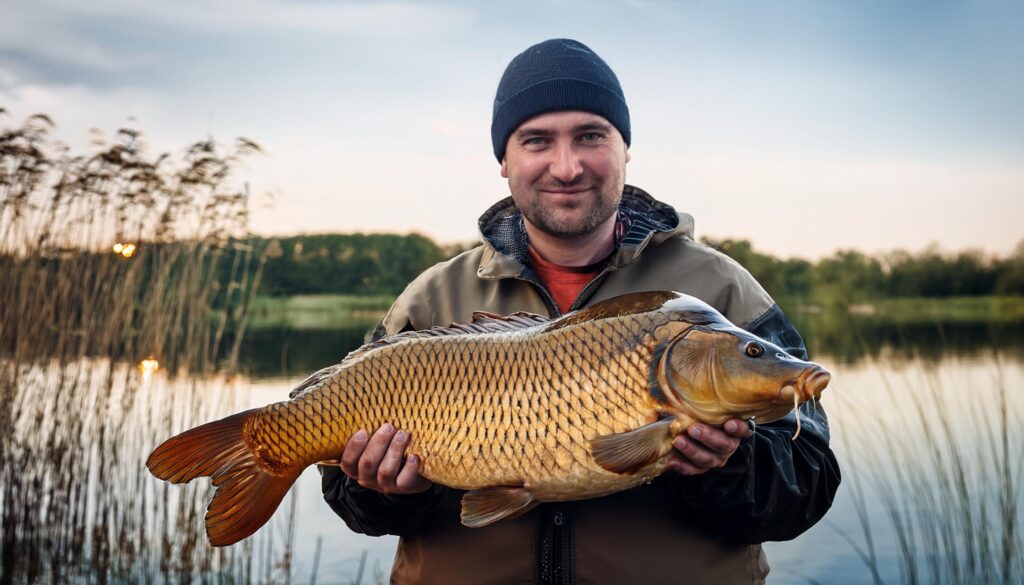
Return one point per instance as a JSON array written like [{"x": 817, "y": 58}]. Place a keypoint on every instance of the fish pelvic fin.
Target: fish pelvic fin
[
  {"x": 631, "y": 451},
  {"x": 487, "y": 506},
  {"x": 247, "y": 493}
]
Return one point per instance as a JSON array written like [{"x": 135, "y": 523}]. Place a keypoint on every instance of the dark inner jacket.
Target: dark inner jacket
[{"x": 707, "y": 528}]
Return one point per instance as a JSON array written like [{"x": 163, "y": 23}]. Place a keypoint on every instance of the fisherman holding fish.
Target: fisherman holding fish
[
  {"x": 566, "y": 403},
  {"x": 573, "y": 234}
]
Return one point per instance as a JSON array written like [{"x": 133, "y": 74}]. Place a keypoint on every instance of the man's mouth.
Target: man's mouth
[{"x": 569, "y": 191}]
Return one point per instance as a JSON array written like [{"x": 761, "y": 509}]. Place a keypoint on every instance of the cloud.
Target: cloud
[
  {"x": 384, "y": 19},
  {"x": 114, "y": 36},
  {"x": 76, "y": 109},
  {"x": 34, "y": 32}
]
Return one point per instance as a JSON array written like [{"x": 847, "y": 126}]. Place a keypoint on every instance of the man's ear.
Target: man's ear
[
  {"x": 504, "y": 168},
  {"x": 628, "y": 156}
]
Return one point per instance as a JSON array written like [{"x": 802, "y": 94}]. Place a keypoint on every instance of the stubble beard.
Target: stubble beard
[{"x": 543, "y": 215}]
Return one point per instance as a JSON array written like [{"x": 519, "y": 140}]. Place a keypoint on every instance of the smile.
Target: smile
[{"x": 574, "y": 191}]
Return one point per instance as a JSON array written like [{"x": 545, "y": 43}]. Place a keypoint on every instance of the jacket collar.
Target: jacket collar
[{"x": 650, "y": 222}]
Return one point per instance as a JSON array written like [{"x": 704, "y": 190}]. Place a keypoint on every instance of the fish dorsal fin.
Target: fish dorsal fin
[
  {"x": 627, "y": 304},
  {"x": 314, "y": 380},
  {"x": 494, "y": 322},
  {"x": 487, "y": 506},
  {"x": 483, "y": 322},
  {"x": 631, "y": 451}
]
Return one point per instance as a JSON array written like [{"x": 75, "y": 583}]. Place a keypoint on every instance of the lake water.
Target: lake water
[{"x": 926, "y": 422}]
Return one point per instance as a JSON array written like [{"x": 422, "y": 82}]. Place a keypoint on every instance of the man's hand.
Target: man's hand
[
  {"x": 376, "y": 463},
  {"x": 703, "y": 448}
]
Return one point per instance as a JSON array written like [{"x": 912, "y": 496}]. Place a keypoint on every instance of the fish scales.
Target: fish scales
[
  {"x": 538, "y": 410},
  {"x": 482, "y": 399}
]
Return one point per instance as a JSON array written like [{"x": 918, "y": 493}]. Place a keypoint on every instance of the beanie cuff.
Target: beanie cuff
[{"x": 558, "y": 94}]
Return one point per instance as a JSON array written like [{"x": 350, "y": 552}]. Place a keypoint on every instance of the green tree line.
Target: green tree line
[
  {"x": 382, "y": 264},
  {"x": 358, "y": 264},
  {"x": 849, "y": 276}
]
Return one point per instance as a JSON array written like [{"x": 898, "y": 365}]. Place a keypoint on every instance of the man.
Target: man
[{"x": 571, "y": 234}]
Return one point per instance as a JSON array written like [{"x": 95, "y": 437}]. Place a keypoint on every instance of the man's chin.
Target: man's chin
[{"x": 566, "y": 230}]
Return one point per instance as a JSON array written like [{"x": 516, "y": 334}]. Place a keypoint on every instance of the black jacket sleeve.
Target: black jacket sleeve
[
  {"x": 772, "y": 488},
  {"x": 369, "y": 512}
]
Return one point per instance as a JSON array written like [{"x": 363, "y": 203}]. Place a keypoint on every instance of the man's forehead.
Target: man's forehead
[{"x": 563, "y": 120}]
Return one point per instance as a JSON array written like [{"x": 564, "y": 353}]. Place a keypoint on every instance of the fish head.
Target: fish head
[{"x": 717, "y": 371}]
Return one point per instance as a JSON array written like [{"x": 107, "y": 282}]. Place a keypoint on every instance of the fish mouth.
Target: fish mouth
[
  {"x": 807, "y": 386},
  {"x": 814, "y": 381}
]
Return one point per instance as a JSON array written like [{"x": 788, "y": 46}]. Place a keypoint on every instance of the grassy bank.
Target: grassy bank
[
  {"x": 917, "y": 310},
  {"x": 989, "y": 309},
  {"x": 331, "y": 311},
  {"x": 317, "y": 311}
]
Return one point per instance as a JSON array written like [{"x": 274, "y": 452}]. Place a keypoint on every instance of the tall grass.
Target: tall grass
[
  {"x": 77, "y": 417},
  {"x": 938, "y": 465}
]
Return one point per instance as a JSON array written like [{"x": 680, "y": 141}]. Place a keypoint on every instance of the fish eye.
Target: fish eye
[{"x": 753, "y": 349}]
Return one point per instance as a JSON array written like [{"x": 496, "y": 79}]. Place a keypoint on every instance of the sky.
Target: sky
[{"x": 803, "y": 126}]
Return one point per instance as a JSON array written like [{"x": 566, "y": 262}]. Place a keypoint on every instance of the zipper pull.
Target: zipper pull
[{"x": 558, "y": 519}]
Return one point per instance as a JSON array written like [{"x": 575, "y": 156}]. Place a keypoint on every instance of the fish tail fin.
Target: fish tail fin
[{"x": 247, "y": 493}]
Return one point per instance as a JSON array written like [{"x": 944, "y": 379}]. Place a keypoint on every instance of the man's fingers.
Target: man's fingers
[
  {"x": 697, "y": 453},
  {"x": 681, "y": 466},
  {"x": 409, "y": 479},
  {"x": 372, "y": 455},
  {"x": 353, "y": 451},
  {"x": 739, "y": 428},
  {"x": 392, "y": 461},
  {"x": 716, "y": 440},
  {"x": 703, "y": 447}
]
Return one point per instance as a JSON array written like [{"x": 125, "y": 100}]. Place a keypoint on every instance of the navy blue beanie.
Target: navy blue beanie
[{"x": 558, "y": 74}]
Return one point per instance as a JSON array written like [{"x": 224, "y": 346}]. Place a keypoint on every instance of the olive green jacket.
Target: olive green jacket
[{"x": 704, "y": 529}]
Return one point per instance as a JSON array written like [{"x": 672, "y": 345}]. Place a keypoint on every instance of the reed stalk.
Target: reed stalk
[
  {"x": 944, "y": 467},
  {"x": 77, "y": 316}
]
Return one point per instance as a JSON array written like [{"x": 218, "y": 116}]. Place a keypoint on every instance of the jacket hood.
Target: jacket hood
[{"x": 650, "y": 222}]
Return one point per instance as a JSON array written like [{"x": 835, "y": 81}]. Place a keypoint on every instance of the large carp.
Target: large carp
[{"x": 517, "y": 409}]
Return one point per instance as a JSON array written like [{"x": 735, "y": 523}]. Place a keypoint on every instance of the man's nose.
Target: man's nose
[{"x": 566, "y": 166}]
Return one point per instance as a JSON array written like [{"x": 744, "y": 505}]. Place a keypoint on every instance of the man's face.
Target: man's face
[{"x": 566, "y": 171}]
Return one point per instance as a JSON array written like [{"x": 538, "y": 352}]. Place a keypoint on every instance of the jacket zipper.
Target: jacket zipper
[
  {"x": 556, "y": 562},
  {"x": 585, "y": 293},
  {"x": 588, "y": 290},
  {"x": 556, "y": 556}
]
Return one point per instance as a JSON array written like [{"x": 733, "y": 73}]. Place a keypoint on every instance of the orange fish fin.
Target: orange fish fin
[
  {"x": 486, "y": 506},
  {"x": 247, "y": 496},
  {"x": 630, "y": 451},
  {"x": 247, "y": 493}
]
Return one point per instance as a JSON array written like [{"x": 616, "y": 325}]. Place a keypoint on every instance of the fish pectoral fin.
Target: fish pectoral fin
[
  {"x": 486, "y": 506},
  {"x": 630, "y": 451}
]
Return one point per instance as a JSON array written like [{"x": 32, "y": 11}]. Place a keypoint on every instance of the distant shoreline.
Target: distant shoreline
[{"x": 326, "y": 311}]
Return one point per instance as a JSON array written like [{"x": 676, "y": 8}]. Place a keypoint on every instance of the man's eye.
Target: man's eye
[
  {"x": 591, "y": 137},
  {"x": 535, "y": 141}
]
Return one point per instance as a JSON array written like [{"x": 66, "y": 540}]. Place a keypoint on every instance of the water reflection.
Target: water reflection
[
  {"x": 280, "y": 352},
  {"x": 852, "y": 340},
  {"x": 76, "y": 501}
]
